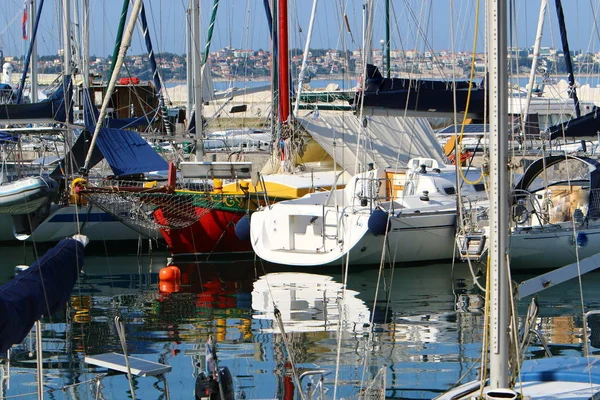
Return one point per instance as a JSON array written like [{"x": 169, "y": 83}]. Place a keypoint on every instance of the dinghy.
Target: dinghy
[{"x": 26, "y": 195}]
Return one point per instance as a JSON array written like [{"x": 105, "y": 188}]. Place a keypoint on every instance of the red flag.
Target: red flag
[{"x": 24, "y": 23}]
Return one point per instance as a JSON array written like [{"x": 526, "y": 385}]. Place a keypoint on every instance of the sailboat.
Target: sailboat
[
  {"x": 553, "y": 204},
  {"x": 69, "y": 213},
  {"x": 401, "y": 194},
  {"x": 553, "y": 377}
]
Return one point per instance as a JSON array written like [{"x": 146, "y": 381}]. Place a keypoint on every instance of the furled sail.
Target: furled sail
[
  {"x": 419, "y": 97},
  {"x": 587, "y": 125},
  {"x": 42, "y": 289}
]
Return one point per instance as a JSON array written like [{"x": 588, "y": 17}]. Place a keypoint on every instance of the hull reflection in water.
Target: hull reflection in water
[
  {"x": 307, "y": 303},
  {"x": 426, "y": 342}
]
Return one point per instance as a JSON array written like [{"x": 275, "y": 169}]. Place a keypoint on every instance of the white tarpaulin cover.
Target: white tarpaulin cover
[{"x": 387, "y": 141}]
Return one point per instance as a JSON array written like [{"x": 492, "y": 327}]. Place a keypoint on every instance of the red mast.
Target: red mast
[{"x": 284, "y": 63}]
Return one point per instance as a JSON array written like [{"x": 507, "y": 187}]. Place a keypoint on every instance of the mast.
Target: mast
[
  {"x": 271, "y": 19},
  {"x": 29, "y": 53},
  {"x": 67, "y": 37},
  {"x": 367, "y": 34},
  {"x": 211, "y": 27},
  {"x": 188, "y": 65},
  {"x": 387, "y": 39},
  {"x": 568, "y": 62},
  {"x": 86, "y": 43},
  {"x": 34, "y": 58},
  {"x": 498, "y": 196},
  {"x": 284, "y": 71},
  {"x": 119, "y": 37},
  {"x": 305, "y": 56},
  {"x": 197, "y": 78},
  {"x": 135, "y": 11},
  {"x": 534, "y": 62}
]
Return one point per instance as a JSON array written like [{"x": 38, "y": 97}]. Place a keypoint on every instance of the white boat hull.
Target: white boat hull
[
  {"x": 294, "y": 237},
  {"x": 551, "y": 247}
]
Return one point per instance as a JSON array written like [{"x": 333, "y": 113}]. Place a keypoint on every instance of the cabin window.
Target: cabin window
[{"x": 449, "y": 190}]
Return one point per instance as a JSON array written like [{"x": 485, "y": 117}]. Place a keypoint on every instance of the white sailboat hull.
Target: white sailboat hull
[
  {"x": 298, "y": 237},
  {"x": 553, "y": 247}
]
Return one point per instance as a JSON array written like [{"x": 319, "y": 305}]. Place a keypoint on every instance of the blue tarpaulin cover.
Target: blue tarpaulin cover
[
  {"x": 128, "y": 153},
  {"x": 42, "y": 289},
  {"x": 7, "y": 137}
]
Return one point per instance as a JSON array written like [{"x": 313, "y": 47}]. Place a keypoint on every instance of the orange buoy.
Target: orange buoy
[
  {"x": 168, "y": 287},
  {"x": 176, "y": 273},
  {"x": 170, "y": 273}
]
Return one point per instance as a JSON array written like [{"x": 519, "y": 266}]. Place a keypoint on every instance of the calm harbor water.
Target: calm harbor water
[{"x": 427, "y": 326}]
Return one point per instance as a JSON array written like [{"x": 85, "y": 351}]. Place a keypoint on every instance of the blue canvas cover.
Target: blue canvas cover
[
  {"x": 6, "y": 137},
  {"x": 128, "y": 153},
  {"x": 42, "y": 289}
]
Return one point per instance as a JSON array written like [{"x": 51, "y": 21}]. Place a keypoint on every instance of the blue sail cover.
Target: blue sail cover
[
  {"x": 128, "y": 153},
  {"x": 51, "y": 109},
  {"x": 42, "y": 289}
]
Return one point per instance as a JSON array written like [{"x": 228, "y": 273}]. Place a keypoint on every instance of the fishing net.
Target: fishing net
[{"x": 132, "y": 204}]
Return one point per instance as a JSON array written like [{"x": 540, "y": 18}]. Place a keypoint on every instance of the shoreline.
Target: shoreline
[{"x": 346, "y": 77}]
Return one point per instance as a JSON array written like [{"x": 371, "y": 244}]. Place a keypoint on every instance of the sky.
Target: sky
[{"x": 416, "y": 24}]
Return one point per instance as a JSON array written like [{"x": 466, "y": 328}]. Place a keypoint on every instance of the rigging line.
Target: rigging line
[
  {"x": 420, "y": 32},
  {"x": 464, "y": 121}
]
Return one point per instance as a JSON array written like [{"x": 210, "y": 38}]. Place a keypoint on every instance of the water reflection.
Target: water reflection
[
  {"x": 424, "y": 323},
  {"x": 307, "y": 303}
]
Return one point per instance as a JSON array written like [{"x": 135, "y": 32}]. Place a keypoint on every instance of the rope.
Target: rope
[{"x": 464, "y": 121}]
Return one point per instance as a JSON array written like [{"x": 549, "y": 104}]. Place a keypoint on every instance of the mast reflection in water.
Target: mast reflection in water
[{"x": 423, "y": 323}]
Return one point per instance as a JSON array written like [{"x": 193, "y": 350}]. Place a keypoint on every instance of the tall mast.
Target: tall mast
[
  {"x": 388, "y": 66},
  {"x": 67, "y": 37},
  {"x": 197, "y": 77},
  {"x": 211, "y": 27},
  {"x": 34, "y": 59},
  {"x": 119, "y": 37},
  {"x": 568, "y": 63},
  {"x": 498, "y": 109},
  {"x": 305, "y": 56},
  {"x": 27, "y": 61},
  {"x": 284, "y": 72},
  {"x": 86, "y": 43},
  {"x": 534, "y": 62},
  {"x": 135, "y": 12},
  {"x": 189, "y": 67},
  {"x": 272, "y": 22}
]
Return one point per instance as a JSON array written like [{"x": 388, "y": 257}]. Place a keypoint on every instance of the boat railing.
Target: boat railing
[
  {"x": 319, "y": 388},
  {"x": 333, "y": 188},
  {"x": 264, "y": 192},
  {"x": 367, "y": 191}
]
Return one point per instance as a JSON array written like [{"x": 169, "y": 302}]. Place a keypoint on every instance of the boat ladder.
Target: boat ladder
[{"x": 330, "y": 229}]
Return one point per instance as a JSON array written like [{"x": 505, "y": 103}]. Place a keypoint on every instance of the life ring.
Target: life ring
[{"x": 76, "y": 185}]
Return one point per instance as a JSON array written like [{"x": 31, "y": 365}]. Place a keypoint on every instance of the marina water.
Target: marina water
[{"x": 426, "y": 330}]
